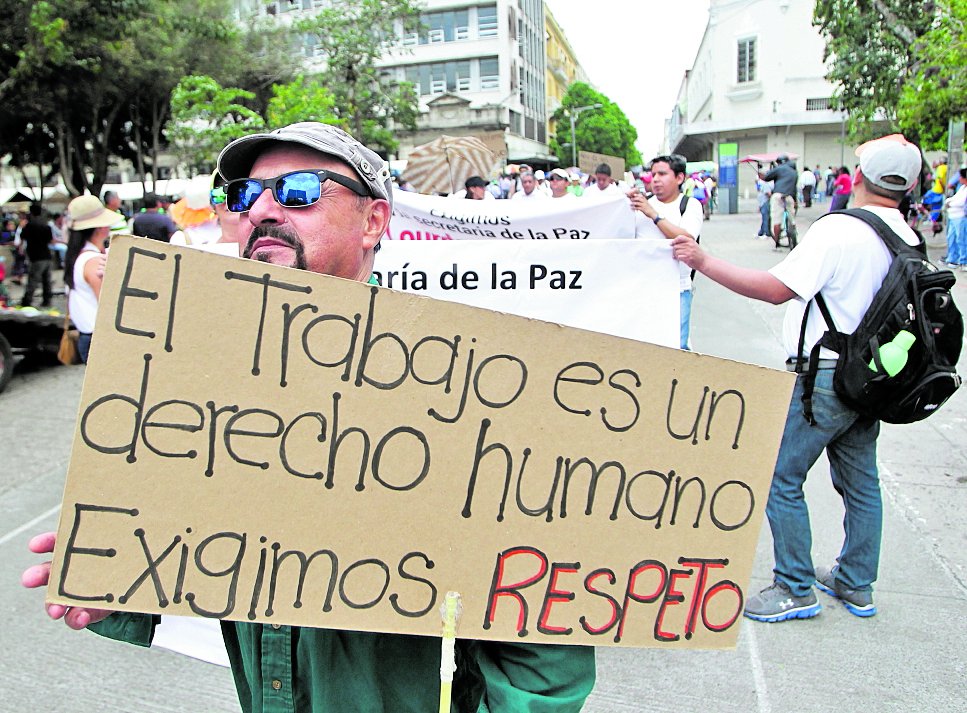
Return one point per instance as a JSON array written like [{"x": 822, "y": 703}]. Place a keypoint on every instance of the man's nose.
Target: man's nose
[{"x": 266, "y": 210}]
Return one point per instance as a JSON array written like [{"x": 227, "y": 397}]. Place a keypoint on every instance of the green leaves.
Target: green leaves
[
  {"x": 605, "y": 130},
  {"x": 898, "y": 60},
  {"x": 300, "y": 100},
  {"x": 937, "y": 89},
  {"x": 205, "y": 117},
  {"x": 352, "y": 36}
]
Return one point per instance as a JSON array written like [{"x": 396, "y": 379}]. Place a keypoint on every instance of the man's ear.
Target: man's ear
[{"x": 375, "y": 222}]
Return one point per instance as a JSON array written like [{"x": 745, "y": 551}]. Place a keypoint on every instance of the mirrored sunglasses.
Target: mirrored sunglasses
[{"x": 292, "y": 190}]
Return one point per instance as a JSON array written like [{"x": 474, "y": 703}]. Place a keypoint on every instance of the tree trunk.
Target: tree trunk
[{"x": 66, "y": 163}]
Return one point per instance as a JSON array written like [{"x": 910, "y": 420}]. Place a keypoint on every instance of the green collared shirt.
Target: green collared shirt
[{"x": 293, "y": 669}]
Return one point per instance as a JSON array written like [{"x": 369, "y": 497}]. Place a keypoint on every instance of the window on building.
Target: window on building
[
  {"x": 461, "y": 25},
  {"x": 747, "y": 61},
  {"x": 530, "y": 131},
  {"x": 463, "y": 76},
  {"x": 487, "y": 21},
  {"x": 515, "y": 127},
  {"x": 822, "y": 104},
  {"x": 311, "y": 42},
  {"x": 489, "y": 74},
  {"x": 438, "y": 78},
  {"x": 448, "y": 26}
]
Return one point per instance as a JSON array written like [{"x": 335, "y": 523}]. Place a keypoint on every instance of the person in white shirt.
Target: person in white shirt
[
  {"x": 665, "y": 209},
  {"x": 957, "y": 224},
  {"x": 542, "y": 184},
  {"x": 558, "y": 180},
  {"x": 842, "y": 257},
  {"x": 603, "y": 184},
  {"x": 807, "y": 181},
  {"x": 528, "y": 188}
]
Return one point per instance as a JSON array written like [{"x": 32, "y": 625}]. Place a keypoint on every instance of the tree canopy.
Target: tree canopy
[
  {"x": 899, "y": 61},
  {"x": 937, "y": 91},
  {"x": 86, "y": 80},
  {"x": 352, "y": 36},
  {"x": 605, "y": 130}
]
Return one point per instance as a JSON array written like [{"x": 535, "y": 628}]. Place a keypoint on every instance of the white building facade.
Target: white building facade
[
  {"x": 478, "y": 68},
  {"x": 758, "y": 85}
]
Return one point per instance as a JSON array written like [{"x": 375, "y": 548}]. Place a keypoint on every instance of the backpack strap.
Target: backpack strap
[
  {"x": 809, "y": 375},
  {"x": 893, "y": 242}
]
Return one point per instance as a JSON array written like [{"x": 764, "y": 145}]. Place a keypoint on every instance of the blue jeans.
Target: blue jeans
[
  {"x": 764, "y": 228},
  {"x": 84, "y": 346},
  {"x": 686, "y": 313},
  {"x": 850, "y": 444},
  {"x": 957, "y": 241}
]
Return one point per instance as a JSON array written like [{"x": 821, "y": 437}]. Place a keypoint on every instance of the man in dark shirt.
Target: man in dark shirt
[
  {"x": 785, "y": 177},
  {"x": 151, "y": 223},
  {"x": 37, "y": 237}
]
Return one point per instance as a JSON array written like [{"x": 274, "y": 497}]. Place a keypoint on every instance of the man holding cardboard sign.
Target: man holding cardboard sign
[{"x": 316, "y": 199}]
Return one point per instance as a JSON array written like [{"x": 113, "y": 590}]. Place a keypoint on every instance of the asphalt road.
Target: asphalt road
[{"x": 910, "y": 656}]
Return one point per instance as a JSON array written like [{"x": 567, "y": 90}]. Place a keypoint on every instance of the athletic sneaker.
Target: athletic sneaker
[
  {"x": 777, "y": 603},
  {"x": 856, "y": 602}
]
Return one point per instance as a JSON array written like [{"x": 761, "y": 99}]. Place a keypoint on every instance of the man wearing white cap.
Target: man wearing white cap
[
  {"x": 845, "y": 259},
  {"x": 558, "y": 181},
  {"x": 314, "y": 198}
]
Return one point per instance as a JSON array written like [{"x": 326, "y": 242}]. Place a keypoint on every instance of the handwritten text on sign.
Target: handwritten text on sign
[{"x": 262, "y": 444}]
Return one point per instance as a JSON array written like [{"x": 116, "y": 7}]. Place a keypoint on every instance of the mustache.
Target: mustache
[
  {"x": 281, "y": 234},
  {"x": 272, "y": 231}
]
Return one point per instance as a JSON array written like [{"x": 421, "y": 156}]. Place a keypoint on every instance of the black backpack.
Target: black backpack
[{"x": 915, "y": 296}]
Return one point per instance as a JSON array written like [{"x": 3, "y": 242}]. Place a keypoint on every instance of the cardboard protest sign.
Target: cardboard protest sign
[
  {"x": 262, "y": 444},
  {"x": 496, "y": 142},
  {"x": 626, "y": 288},
  {"x": 419, "y": 217},
  {"x": 588, "y": 161}
]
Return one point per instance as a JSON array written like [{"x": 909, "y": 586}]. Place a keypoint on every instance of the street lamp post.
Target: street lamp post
[{"x": 574, "y": 115}]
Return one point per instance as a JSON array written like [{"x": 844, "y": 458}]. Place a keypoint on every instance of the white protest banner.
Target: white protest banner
[
  {"x": 419, "y": 217},
  {"x": 345, "y": 454},
  {"x": 626, "y": 288}
]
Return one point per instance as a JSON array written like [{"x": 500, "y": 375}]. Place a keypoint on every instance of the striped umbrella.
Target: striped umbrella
[{"x": 446, "y": 163}]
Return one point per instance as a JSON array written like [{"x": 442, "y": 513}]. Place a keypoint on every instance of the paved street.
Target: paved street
[{"x": 910, "y": 656}]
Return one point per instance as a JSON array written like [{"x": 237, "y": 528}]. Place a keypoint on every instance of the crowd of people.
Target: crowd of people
[{"x": 311, "y": 197}]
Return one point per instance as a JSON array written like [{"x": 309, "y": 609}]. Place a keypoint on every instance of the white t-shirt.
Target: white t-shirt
[
  {"x": 593, "y": 191},
  {"x": 81, "y": 302},
  {"x": 536, "y": 193},
  {"x": 566, "y": 197},
  {"x": 691, "y": 222},
  {"x": 957, "y": 203},
  {"x": 844, "y": 258}
]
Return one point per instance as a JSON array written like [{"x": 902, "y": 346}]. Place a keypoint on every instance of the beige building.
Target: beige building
[{"x": 562, "y": 66}]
